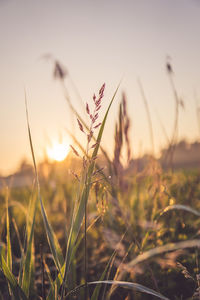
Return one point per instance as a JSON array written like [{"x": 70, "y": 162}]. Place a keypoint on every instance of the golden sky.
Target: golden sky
[{"x": 97, "y": 41}]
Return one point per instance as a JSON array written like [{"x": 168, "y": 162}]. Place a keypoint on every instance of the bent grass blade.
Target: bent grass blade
[
  {"x": 162, "y": 249},
  {"x": 128, "y": 285},
  {"x": 179, "y": 207}
]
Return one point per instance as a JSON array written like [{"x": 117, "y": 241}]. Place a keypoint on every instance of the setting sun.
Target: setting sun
[{"x": 58, "y": 151}]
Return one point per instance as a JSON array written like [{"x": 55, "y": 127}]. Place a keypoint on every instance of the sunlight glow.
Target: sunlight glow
[{"x": 58, "y": 151}]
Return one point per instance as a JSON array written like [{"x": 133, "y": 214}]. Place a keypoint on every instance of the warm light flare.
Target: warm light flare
[{"x": 58, "y": 151}]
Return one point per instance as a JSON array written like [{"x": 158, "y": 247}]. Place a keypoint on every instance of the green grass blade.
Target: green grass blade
[
  {"x": 107, "y": 270},
  {"x": 27, "y": 232},
  {"x": 57, "y": 284},
  {"x": 53, "y": 243},
  {"x": 58, "y": 280},
  {"x": 7, "y": 272},
  {"x": 96, "y": 292},
  {"x": 20, "y": 276},
  {"x": 124, "y": 284},
  {"x": 119, "y": 273},
  {"x": 8, "y": 240},
  {"x": 28, "y": 262},
  {"x": 17, "y": 234},
  {"x": 53, "y": 295},
  {"x": 9, "y": 249},
  {"x": 15, "y": 288},
  {"x": 85, "y": 194}
]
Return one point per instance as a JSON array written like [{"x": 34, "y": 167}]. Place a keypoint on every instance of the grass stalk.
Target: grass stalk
[{"x": 148, "y": 116}]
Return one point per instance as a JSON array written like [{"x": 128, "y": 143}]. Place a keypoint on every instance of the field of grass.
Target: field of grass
[{"x": 102, "y": 233}]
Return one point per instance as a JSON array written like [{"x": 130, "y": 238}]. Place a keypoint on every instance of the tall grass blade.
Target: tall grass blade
[
  {"x": 53, "y": 242},
  {"x": 75, "y": 228},
  {"x": 58, "y": 281},
  {"x": 53, "y": 295},
  {"x": 22, "y": 247},
  {"x": 148, "y": 115},
  {"x": 9, "y": 249},
  {"x": 96, "y": 292},
  {"x": 29, "y": 256},
  {"x": 8, "y": 240},
  {"x": 20, "y": 276},
  {"x": 56, "y": 285},
  {"x": 17, "y": 234},
  {"x": 119, "y": 273}
]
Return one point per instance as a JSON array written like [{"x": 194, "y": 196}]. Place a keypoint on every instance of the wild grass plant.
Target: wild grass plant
[{"x": 102, "y": 233}]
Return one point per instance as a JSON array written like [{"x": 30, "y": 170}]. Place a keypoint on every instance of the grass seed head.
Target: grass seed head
[{"x": 80, "y": 126}]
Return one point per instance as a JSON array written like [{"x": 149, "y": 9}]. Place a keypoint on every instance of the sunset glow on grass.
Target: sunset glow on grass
[
  {"x": 58, "y": 151},
  {"x": 100, "y": 150}
]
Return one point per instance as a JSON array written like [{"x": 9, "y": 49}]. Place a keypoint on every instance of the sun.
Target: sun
[{"x": 58, "y": 151}]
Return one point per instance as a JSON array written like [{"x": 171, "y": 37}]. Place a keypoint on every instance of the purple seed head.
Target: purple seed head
[
  {"x": 87, "y": 109},
  {"x": 80, "y": 125},
  {"x": 74, "y": 150},
  {"x": 89, "y": 136},
  {"x": 98, "y": 108},
  {"x": 94, "y": 145},
  {"x": 97, "y": 126},
  {"x": 101, "y": 91}
]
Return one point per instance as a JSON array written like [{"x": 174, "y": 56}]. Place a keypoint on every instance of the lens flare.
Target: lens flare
[{"x": 58, "y": 151}]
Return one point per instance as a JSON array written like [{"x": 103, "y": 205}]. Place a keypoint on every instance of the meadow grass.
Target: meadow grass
[{"x": 104, "y": 233}]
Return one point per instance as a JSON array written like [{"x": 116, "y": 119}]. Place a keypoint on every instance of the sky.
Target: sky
[{"x": 97, "y": 41}]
